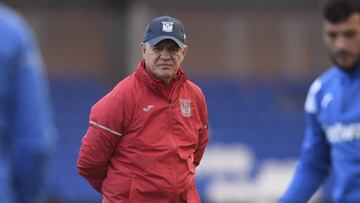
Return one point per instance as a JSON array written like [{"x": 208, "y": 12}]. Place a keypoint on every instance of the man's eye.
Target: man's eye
[
  {"x": 350, "y": 34},
  {"x": 332, "y": 35},
  {"x": 174, "y": 49}
]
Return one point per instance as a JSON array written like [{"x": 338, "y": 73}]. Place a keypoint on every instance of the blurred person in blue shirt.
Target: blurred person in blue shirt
[
  {"x": 332, "y": 110},
  {"x": 26, "y": 124}
]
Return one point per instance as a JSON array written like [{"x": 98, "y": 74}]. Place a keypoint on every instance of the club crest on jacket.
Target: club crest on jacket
[{"x": 185, "y": 107}]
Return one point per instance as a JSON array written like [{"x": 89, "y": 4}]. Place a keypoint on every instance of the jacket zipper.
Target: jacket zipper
[{"x": 170, "y": 105}]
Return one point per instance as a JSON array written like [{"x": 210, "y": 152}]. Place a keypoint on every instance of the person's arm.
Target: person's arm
[
  {"x": 203, "y": 132},
  {"x": 33, "y": 130},
  {"x": 314, "y": 163},
  {"x": 313, "y": 166},
  {"x": 100, "y": 140},
  {"x": 95, "y": 152}
]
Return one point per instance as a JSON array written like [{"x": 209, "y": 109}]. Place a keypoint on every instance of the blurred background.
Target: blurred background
[{"x": 254, "y": 60}]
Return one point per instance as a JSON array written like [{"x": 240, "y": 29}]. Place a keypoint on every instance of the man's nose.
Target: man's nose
[
  {"x": 165, "y": 54},
  {"x": 341, "y": 43}
]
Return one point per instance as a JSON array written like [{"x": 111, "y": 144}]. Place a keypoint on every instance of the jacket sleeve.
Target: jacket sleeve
[
  {"x": 203, "y": 132},
  {"x": 314, "y": 163},
  {"x": 107, "y": 120},
  {"x": 32, "y": 121}
]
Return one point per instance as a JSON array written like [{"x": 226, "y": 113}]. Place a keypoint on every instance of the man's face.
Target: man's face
[
  {"x": 343, "y": 41},
  {"x": 164, "y": 59}
]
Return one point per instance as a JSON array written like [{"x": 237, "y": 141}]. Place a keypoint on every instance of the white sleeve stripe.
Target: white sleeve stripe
[
  {"x": 105, "y": 128},
  {"x": 203, "y": 128},
  {"x": 310, "y": 102}
]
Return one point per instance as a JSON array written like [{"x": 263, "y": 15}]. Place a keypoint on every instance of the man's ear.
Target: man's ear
[
  {"x": 185, "y": 50},
  {"x": 142, "y": 49}
]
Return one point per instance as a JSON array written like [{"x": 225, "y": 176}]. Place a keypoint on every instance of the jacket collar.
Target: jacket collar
[
  {"x": 157, "y": 85},
  {"x": 355, "y": 72}
]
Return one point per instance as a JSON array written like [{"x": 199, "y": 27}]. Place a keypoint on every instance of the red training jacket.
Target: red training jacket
[{"x": 145, "y": 140}]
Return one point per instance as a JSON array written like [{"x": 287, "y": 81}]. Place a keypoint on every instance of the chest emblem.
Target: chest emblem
[
  {"x": 326, "y": 100},
  {"x": 185, "y": 107}
]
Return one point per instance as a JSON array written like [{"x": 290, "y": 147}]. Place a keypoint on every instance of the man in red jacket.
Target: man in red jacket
[{"x": 148, "y": 134}]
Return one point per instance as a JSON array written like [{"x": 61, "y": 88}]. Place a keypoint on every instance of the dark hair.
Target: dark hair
[{"x": 339, "y": 10}]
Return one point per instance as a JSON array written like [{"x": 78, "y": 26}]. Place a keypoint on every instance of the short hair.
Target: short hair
[{"x": 336, "y": 11}]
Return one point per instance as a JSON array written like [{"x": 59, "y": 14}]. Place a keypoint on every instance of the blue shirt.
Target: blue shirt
[
  {"x": 26, "y": 124},
  {"x": 332, "y": 138}
]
